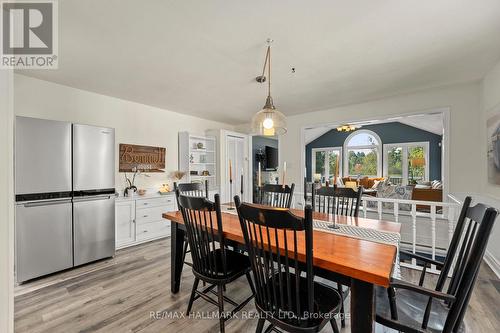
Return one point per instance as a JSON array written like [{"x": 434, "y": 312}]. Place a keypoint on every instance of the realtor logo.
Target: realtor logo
[{"x": 29, "y": 34}]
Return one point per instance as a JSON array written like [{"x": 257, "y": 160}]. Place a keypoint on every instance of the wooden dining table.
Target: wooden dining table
[{"x": 358, "y": 263}]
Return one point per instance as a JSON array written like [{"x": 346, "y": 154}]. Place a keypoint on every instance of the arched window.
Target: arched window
[{"x": 362, "y": 154}]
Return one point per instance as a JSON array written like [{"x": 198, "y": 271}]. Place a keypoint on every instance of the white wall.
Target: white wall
[
  {"x": 467, "y": 104},
  {"x": 134, "y": 123},
  {"x": 490, "y": 103},
  {"x": 465, "y": 135},
  {"x": 6, "y": 203}
]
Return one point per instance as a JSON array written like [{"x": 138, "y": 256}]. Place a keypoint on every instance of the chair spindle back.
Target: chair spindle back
[
  {"x": 203, "y": 222},
  {"x": 276, "y": 195},
  {"x": 274, "y": 238},
  {"x": 337, "y": 200}
]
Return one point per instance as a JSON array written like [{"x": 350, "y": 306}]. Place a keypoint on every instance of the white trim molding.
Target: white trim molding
[
  {"x": 6, "y": 201},
  {"x": 490, "y": 259}
]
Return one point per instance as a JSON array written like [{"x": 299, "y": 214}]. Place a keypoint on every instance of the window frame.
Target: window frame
[
  {"x": 405, "y": 146},
  {"x": 327, "y": 165},
  {"x": 377, "y": 148}
]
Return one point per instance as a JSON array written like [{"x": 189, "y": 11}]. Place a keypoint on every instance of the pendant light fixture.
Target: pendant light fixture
[{"x": 268, "y": 121}]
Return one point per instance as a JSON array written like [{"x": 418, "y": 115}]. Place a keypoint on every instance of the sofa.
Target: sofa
[
  {"x": 427, "y": 194},
  {"x": 366, "y": 182},
  {"x": 418, "y": 193}
]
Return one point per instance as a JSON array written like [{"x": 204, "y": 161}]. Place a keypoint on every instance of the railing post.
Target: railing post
[
  {"x": 396, "y": 212},
  {"x": 451, "y": 223},
  {"x": 433, "y": 234},
  {"x": 365, "y": 206},
  {"x": 379, "y": 209},
  {"x": 414, "y": 231}
]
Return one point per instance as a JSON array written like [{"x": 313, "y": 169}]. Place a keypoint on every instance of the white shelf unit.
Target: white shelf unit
[{"x": 198, "y": 153}]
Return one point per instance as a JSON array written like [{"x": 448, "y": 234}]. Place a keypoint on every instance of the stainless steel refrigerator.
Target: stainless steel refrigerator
[{"x": 65, "y": 209}]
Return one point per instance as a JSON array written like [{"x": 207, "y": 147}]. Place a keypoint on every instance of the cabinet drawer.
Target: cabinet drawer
[
  {"x": 153, "y": 229},
  {"x": 146, "y": 215},
  {"x": 155, "y": 202}
]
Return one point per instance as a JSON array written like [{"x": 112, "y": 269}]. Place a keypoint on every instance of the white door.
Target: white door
[
  {"x": 235, "y": 152},
  {"x": 125, "y": 223}
]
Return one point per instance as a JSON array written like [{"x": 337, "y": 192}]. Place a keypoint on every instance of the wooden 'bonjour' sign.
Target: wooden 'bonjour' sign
[{"x": 144, "y": 158}]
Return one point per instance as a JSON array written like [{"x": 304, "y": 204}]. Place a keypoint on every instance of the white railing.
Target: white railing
[
  {"x": 429, "y": 217},
  {"x": 427, "y": 226}
]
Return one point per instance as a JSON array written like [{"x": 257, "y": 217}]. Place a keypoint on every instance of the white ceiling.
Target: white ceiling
[
  {"x": 201, "y": 57},
  {"x": 430, "y": 122},
  {"x": 433, "y": 123}
]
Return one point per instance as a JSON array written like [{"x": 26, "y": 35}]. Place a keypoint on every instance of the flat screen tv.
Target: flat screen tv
[{"x": 271, "y": 158}]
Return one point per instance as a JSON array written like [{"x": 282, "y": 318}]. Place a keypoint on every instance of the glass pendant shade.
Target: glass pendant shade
[{"x": 269, "y": 121}]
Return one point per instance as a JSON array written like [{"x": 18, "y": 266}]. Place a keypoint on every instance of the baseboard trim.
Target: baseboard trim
[{"x": 493, "y": 263}]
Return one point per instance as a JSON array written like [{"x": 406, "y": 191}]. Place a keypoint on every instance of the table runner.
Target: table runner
[{"x": 372, "y": 235}]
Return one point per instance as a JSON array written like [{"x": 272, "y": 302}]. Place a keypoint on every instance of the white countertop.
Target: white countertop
[
  {"x": 152, "y": 193},
  {"x": 148, "y": 195}
]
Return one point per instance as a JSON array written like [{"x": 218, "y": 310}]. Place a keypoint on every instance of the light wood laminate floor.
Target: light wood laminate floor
[{"x": 126, "y": 293}]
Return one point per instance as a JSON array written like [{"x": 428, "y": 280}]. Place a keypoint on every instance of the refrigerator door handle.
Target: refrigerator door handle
[
  {"x": 46, "y": 202},
  {"x": 92, "y": 198}
]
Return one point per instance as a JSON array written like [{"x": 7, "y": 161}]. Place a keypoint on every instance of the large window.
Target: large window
[
  {"x": 325, "y": 161},
  {"x": 406, "y": 163},
  {"x": 362, "y": 154}
]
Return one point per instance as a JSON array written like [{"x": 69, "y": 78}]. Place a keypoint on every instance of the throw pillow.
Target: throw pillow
[{"x": 396, "y": 192}]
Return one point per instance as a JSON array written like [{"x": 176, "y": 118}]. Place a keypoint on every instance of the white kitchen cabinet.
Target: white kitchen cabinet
[
  {"x": 197, "y": 157},
  {"x": 140, "y": 219},
  {"x": 125, "y": 222},
  {"x": 149, "y": 221}
]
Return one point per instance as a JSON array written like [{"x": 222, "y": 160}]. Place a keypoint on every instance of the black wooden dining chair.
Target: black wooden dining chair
[
  {"x": 197, "y": 189},
  {"x": 213, "y": 263},
  {"x": 286, "y": 295},
  {"x": 276, "y": 195},
  {"x": 338, "y": 201},
  {"x": 409, "y": 307}
]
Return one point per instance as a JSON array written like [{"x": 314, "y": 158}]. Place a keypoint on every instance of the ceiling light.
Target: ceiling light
[
  {"x": 347, "y": 128},
  {"x": 268, "y": 121}
]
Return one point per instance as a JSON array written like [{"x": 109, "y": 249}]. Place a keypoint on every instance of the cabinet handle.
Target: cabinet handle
[
  {"x": 145, "y": 231},
  {"x": 145, "y": 216}
]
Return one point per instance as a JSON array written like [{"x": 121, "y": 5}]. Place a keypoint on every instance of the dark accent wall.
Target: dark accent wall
[
  {"x": 389, "y": 133},
  {"x": 261, "y": 142}
]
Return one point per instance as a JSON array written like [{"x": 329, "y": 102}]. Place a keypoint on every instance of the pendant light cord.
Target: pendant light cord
[
  {"x": 266, "y": 62},
  {"x": 269, "y": 71}
]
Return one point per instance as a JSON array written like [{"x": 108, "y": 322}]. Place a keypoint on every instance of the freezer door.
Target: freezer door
[
  {"x": 94, "y": 228},
  {"x": 42, "y": 156},
  {"x": 93, "y": 158},
  {"x": 44, "y": 241}
]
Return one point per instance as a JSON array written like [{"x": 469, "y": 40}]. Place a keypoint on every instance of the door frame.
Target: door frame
[
  {"x": 445, "y": 148},
  {"x": 224, "y": 168},
  {"x": 7, "y": 201}
]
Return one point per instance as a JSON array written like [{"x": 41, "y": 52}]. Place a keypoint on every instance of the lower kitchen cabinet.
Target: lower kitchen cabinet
[{"x": 140, "y": 219}]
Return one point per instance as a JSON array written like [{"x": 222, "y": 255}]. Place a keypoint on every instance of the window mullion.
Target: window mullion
[
  {"x": 327, "y": 167},
  {"x": 405, "y": 165}
]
